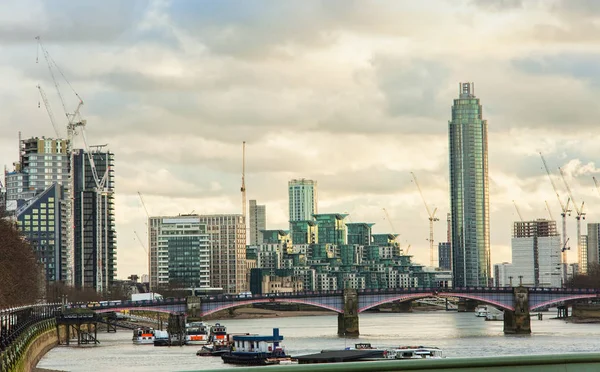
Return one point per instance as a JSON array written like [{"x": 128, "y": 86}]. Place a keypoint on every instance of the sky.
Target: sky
[{"x": 353, "y": 94}]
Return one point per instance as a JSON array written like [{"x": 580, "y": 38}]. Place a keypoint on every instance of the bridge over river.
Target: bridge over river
[{"x": 516, "y": 302}]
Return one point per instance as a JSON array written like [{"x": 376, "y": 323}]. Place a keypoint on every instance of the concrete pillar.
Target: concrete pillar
[
  {"x": 518, "y": 321},
  {"x": 466, "y": 305},
  {"x": 402, "y": 307},
  {"x": 348, "y": 320}
]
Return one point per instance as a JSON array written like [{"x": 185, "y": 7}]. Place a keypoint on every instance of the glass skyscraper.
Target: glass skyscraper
[{"x": 469, "y": 191}]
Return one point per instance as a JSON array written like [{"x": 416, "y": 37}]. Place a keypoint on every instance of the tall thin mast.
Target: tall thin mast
[{"x": 243, "y": 188}]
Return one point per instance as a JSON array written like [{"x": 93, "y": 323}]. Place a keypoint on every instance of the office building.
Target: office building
[
  {"x": 94, "y": 235},
  {"x": 445, "y": 256},
  {"x": 302, "y": 199},
  {"x": 469, "y": 190},
  {"x": 181, "y": 253},
  {"x": 503, "y": 275},
  {"x": 258, "y": 222},
  {"x": 536, "y": 249}
]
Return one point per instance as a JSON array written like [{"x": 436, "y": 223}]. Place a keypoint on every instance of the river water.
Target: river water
[{"x": 457, "y": 334}]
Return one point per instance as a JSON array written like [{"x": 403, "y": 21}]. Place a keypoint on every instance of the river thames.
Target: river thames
[{"x": 457, "y": 334}]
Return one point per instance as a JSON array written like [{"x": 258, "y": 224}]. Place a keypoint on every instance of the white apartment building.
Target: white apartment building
[
  {"x": 258, "y": 222},
  {"x": 536, "y": 254},
  {"x": 302, "y": 199}
]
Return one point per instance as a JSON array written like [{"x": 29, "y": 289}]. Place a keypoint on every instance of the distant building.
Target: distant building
[
  {"x": 359, "y": 233},
  {"x": 536, "y": 254},
  {"x": 304, "y": 232},
  {"x": 258, "y": 222},
  {"x": 332, "y": 228},
  {"x": 302, "y": 199},
  {"x": 35, "y": 196},
  {"x": 95, "y": 238},
  {"x": 502, "y": 275},
  {"x": 39, "y": 221},
  {"x": 275, "y": 237},
  {"x": 227, "y": 240},
  {"x": 180, "y": 251},
  {"x": 593, "y": 244},
  {"x": 469, "y": 190},
  {"x": 445, "y": 256}
]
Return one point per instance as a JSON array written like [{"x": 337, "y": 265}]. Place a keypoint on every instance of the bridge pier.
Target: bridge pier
[
  {"x": 466, "y": 305},
  {"x": 518, "y": 321},
  {"x": 348, "y": 320}
]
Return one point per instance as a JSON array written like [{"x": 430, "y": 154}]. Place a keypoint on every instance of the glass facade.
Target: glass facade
[
  {"x": 332, "y": 228},
  {"x": 359, "y": 233},
  {"x": 469, "y": 191}
]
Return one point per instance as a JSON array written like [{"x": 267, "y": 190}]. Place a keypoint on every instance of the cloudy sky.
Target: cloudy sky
[{"x": 353, "y": 94}]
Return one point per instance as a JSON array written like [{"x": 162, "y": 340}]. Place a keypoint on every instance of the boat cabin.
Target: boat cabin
[
  {"x": 259, "y": 344},
  {"x": 413, "y": 352}
]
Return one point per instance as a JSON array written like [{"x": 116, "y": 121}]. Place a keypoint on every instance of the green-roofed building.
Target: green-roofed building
[{"x": 332, "y": 228}]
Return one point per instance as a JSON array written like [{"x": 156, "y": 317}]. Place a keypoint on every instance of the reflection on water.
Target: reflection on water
[{"x": 457, "y": 334}]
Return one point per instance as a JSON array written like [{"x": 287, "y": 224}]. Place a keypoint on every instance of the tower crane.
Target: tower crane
[
  {"x": 581, "y": 254},
  {"x": 140, "y": 240},
  {"x": 243, "y": 188},
  {"x": 101, "y": 189},
  {"x": 432, "y": 219},
  {"x": 564, "y": 211},
  {"x": 49, "y": 110},
  {"x": 387, "y": 216},
  {"x": 518, "y": 211},
  {"x": 596, "y": 183},
  {"x": 548, "y": 209}
]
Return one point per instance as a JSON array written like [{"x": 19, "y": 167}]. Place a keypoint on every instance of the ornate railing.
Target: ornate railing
[{"x": 19, "y": 326}]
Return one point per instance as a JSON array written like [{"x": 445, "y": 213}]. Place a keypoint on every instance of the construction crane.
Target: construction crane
[
  {"x": 49, "y": 110},
  {"x": 596, "y": 183},
  {"x": 243, "y": 188},
  {"x": 387, "y": 216},
  {"x": 564, "y": 211},
  {"x": 72, "y": 124},
  {"x": 581, "y": 253},
  {"x": 548, "y": 209},
  {"x": 432, "y": 219},
  {"x": 140, "y": 240},
  {"x": 102, "y": 191},
  {"x": 518, "y": 211}
]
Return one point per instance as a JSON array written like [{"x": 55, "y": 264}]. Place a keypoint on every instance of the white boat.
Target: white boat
[
  {"x": 481, "y": 311},
  {"x": 413, "y": 352},
  {"x": 143, "y": 336},
  {"x": 494, "y": 314},
  {"x": 196, "y": 333}
]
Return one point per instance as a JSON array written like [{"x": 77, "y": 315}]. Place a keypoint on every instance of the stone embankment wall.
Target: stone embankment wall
[
  {"x": 586, "y": 311},
  {"x": 36, "y": 349}
]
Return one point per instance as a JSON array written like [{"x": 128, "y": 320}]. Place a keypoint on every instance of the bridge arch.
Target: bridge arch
[
  {"x": 416, "y": 296},
  {"x": 270, "y": 300},
  {"x": 561, "y": 299}
]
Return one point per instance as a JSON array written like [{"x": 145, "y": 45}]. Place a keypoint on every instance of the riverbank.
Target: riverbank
[{"x": 253, "y": 313}]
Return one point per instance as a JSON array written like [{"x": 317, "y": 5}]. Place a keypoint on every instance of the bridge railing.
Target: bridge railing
[{"x": 19, "y": 325}]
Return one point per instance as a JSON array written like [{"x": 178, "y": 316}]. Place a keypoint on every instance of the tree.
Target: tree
[{"x": 21, "y": 276}]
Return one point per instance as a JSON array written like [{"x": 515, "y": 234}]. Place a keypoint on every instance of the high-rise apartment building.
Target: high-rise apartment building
[
  {"x": 536, "y": 259},
  {"x": 593, "y": 244},
  {"x": 258, "y": 222},
  {"x": 94, "y": 235},
  {"x": 180, "y": 252},
  {"x": 445, "y": 256},
  {"x": 469, "y": 190},
  {"x": 302, "y": 199},
  {"x": 226, "y": 244},
  {"x": 36, "y": 197}
]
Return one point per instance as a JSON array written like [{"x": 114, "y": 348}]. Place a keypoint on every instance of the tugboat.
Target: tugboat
[
  {"x": 256, "y": 350},
  {"x": 143, "y": 336},
  {"x": 218, "y": 334}
]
